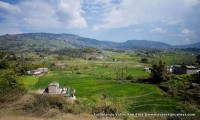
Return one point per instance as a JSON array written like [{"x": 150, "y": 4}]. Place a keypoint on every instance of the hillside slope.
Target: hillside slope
[
  {"x": 49, "y": 41},
  {"x": 144, "y": 44}
]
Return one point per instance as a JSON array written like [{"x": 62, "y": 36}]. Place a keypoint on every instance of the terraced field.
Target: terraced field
[{"x": 136, "y": 97}]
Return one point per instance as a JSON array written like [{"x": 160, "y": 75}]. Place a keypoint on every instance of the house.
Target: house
[
  {"x": 115, "y": 59},
  {"x": 191, "y": 70},
  {"x": 184, "y": 69},
  {"x": 53, "y": 88},
  {"x": 198, "y": 72},
  {"x": 39, "y": 71},
  {"x": 146, "y": 69},
  {"x": 43, "y": 70},
  {"x": 170, "y": 69},
  {"x": 34, "y": 72}
]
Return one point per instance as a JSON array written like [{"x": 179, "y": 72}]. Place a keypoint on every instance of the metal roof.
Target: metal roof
[
  {"x": 54, "y": 84},
  {"x": 191, "y": 67},
  {"x": 42, "y": 68}
]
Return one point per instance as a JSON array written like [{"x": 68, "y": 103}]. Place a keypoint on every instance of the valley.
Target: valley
[{"x": 109, "y": 81}]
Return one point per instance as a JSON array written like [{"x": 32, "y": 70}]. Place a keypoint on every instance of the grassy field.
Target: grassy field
[
  {"x": 29, "y": 81},
  {"x": 136, "y": 97},
  {"x": 94, "y": 78}
]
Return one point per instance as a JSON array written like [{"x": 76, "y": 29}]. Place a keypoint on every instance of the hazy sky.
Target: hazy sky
[{"x": 170, "y": 21}]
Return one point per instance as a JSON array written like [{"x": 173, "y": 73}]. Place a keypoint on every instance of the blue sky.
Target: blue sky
[{"x": 175, "y": 22}]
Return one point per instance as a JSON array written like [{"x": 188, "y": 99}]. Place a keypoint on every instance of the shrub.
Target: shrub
[
  {"x": 140, "y": 79},
  {"x": 130, "y": 77},
  {"x": 86, "y": 67},
  {"x": 105, "y": 106},
  {"x": 82, "y": 105},
  {"x": 10, "y": 87},
  {"x": 144, "y": 60},
  {"x": 42, "y": 104},
  {"x": 78, "y": 72}
]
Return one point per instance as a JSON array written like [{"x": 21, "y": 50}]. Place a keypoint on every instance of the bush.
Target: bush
[
  {"x": 82, "y": 105},
  {"x": 86, "y": 67},
  {"x": 41, "y": 104},
  {"x": 130, "y": 77},
  {"x": 10, "y": 87},
  {"x": 78, "y": 72},
  {"x": 140, "y": 79},
  {"x": 105, "y": 106},
  {"x": 144, "y": 60}
]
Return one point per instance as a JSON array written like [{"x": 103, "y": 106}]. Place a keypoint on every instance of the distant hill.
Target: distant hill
[
  {"x": 144, "y": 44},
  {"x": 49, "y": 41},
  {"x": 36, "y": 41},
  {"x": 194, "y": 45}
]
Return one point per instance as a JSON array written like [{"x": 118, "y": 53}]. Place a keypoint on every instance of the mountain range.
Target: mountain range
[{"x": 32, "y": 41}]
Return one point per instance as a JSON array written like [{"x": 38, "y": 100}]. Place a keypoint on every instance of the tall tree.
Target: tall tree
[
  {"x": 4, "y": 64},
  {"x": 121, "y": 72},
  {"x": 198, "y": 59},
  {"x": 144, "y": 60},
  {"x": 158, "y": 72}
]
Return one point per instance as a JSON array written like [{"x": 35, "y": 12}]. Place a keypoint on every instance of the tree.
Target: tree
[
  {"x": 21, "y": 68},
  {"x": 4, "y": 64},
  {"x": 158, "y": 72},
  {"x": 144, "y": 60},
  {"x": 198, "y": 59},
  {"x": 9, "y": 81},
  {"x": 120, "y": 72},
  {"x": 2, "y": 54},
  {"x": 10, "y": 86}
]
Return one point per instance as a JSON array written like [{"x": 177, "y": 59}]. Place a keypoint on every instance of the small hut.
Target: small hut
[
  {"x": 147, "y": 69},
  {"x": 53, "y": 88}
]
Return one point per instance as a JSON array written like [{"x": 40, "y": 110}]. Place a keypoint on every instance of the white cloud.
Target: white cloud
[
  {"x": 158, "y": 30},
  {"x": 187, "y": 32},
  {"x": 43, "y": 14},
  {"x": 134, "y": 12},
  {"x": 8, "y": 7},
  {"x": 69, "y": 11}
]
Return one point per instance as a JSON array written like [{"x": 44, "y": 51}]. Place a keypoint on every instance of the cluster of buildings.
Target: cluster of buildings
[
  {"x": 53, "y": 87},
  {"x": 179, "y": 69},
  {"x": 38, "y": 71},
  {"x": 183, "y": 69}
]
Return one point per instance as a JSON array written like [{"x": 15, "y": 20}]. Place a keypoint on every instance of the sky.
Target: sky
[{"x": 176, "y": 22}]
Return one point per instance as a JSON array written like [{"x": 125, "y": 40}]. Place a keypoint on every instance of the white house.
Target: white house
[{"x": 146, "y": 69}]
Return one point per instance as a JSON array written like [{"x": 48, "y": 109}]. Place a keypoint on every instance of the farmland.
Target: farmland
[
  {"x": 97, "y": 78},
  {"x": 113, "y": 81},
  {"x": 140, "y": 97}
]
